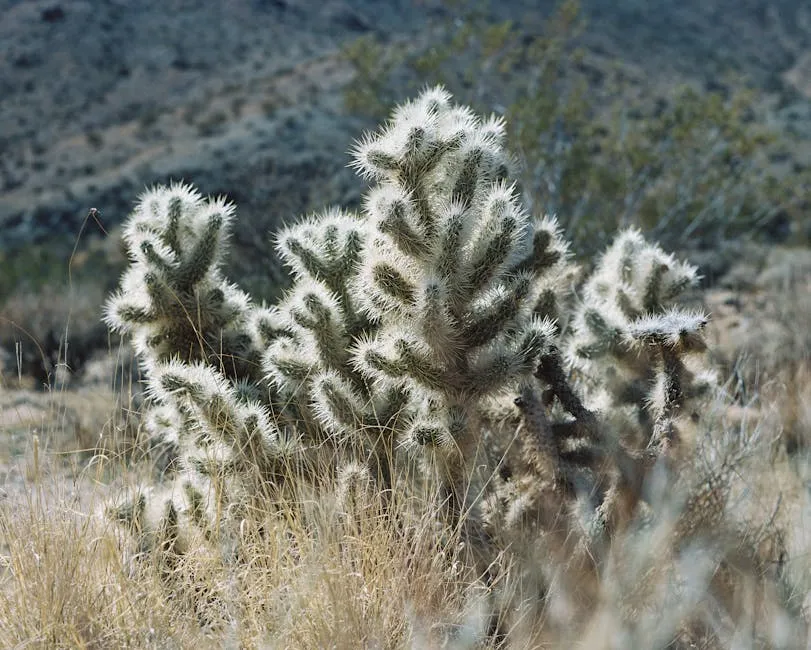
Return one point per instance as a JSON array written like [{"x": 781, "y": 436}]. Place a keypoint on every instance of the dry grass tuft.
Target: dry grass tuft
[
  {"x": 313, "y": 568},
  {"x": 312, "y": 575}
]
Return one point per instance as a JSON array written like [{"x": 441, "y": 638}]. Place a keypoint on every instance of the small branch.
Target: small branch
[{"x": 551, "y": 371}]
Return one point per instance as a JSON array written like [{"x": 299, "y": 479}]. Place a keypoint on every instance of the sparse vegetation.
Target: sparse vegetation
[
  {"x": 50, "y": 297},
  {"x": 456, "y": 429},
  {"x": 430, "y": 406}
]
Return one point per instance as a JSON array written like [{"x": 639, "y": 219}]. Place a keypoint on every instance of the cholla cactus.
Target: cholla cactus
[
  {"x": 199, "y": 340},
  {"x": 310, "y": 364},
  {"x": 407, "y": 326},
  {"x": 631, "y": 347},
  {"x": 402, "y": 320},
  {"x": 441, "y": 293},
  {"x": 459, "y": 280},
  {"x": 173, "y": 299},
  {"x": 619, "y": 399}
]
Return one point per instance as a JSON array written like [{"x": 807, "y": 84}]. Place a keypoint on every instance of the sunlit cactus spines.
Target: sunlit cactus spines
[
  {"x": 154, "y": 518},
  {"x": 627, "y": 320},
  {"x": 324, "y": 247},
  {"x": 309, "y": 364},
  {"x": 173, "y": 299},
  {"x": 465, "y": 287},
  {"x": 218, "y": 415},
  {"x": 638, "y": 367},
  {"x": 449, "y": 269},
  {"x": 199, "y": 340},
  {"x": 226, "y": 444},
  {"x": 632, "y": 279},
  {"x": 439, "y": 342},
  {"x": 310, "y": 367},
  {"x": 675, "y": 336}
]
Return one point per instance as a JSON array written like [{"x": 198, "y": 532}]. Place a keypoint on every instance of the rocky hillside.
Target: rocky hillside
[{"x": 101, "y": 98}]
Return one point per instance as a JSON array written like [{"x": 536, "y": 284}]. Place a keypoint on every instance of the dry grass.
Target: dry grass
[
  {"x": 56, "y": 326},
  {"x": 312, "y": 576},
  {"x": 316, "y": 569}
]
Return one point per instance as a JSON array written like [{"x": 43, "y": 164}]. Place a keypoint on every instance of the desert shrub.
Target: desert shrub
[
  {"x": 51, "y": 298},
  {"x": 437, "y": 369},
  {"x": 32, "y": 269},
  {"x": 49, "y": 333},
  {"x": 600, "y": 148}
]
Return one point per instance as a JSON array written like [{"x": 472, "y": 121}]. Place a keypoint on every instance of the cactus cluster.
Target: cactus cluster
[
  {"x": 199, "y": 340},
  {"x": 617, "y": 401},
  {"x": 408, "y": 327},
  {"x": 459, "y": 281},
  {"x": 628, "y": 335}
]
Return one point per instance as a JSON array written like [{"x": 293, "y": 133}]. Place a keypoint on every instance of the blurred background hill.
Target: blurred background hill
[{"x": 689, "y": 119}]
